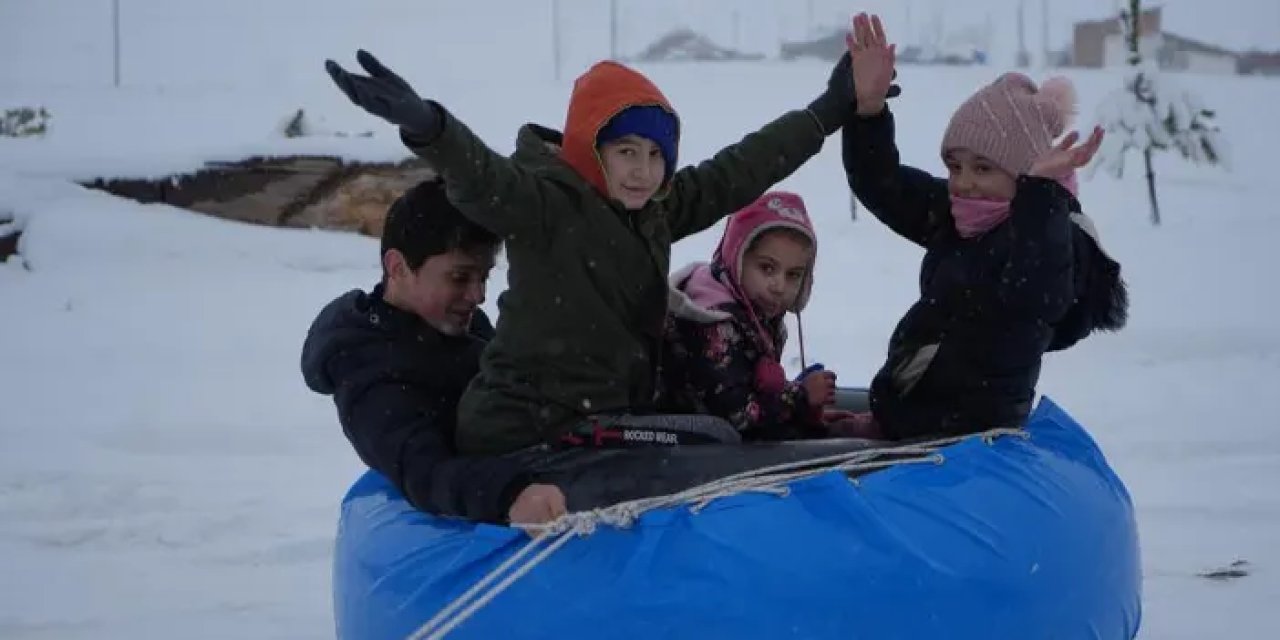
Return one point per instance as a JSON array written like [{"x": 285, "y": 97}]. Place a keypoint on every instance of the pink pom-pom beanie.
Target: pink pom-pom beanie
[{"x": 1012, "y": 122}]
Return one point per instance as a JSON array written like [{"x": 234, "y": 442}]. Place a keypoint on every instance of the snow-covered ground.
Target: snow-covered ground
[{"x": 164, "y": 472}]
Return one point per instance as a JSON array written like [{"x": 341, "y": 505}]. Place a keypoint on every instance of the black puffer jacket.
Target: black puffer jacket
[
  {"x": 396, "y": 383},
  {"x": 966, "y": 356}
]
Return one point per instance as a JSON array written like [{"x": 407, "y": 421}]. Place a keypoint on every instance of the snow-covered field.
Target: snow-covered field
[{"x": 164, "y": 472}]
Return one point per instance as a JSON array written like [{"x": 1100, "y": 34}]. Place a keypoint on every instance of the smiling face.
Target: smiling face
[
  {"x": 774, "y": 269},
  {"x": 973, "y": 176},
  {"x": 445, "y": 291},
  {"x": 633, "y": 170}
]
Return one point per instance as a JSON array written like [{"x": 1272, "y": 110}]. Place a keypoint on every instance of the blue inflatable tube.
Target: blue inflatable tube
[{"x": 1011, "y": 538}]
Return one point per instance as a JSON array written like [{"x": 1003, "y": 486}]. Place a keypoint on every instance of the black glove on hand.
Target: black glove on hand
[
  {"x": 833, "y": 106},
  {"x": 388, "y": 96}
]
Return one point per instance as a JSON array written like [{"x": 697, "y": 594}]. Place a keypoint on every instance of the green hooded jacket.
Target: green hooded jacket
[{"x": 580, "y": 325}]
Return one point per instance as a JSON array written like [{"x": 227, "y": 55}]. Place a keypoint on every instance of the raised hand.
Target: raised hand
[
  {"x": 873, "y": 60},
  {"x": 1065, "y": 157},
  {"x": 386, "y": 95},
  {"x": 844, "y": 86}
]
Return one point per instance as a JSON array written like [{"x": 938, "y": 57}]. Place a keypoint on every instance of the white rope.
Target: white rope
[
  {"x": 765, "y": 479},
  {"x": 462, "y": 615},
  {"x": 476, "y": 588}
]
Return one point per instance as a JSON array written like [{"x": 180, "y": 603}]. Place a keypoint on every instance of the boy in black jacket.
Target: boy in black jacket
[{"x": 397, "y": 359}]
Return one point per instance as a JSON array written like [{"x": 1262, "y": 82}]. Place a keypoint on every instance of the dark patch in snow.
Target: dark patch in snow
[
  {"x": 9, "y": 245},
  {"x": 1235, "y": 570},
  {"x": 10, "y": 234},
  {"x": 292, "y": 191}
]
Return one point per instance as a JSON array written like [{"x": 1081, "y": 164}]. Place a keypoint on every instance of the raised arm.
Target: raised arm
[
  {"x": 739, "y": 174},
  {"x": 1038, "y": 278},
  {"x": 487, "y": 187},
  {"x": 907, "y": 200},
  {"x": 910, "y": 201},
  {"x": 703, "y": 194}
]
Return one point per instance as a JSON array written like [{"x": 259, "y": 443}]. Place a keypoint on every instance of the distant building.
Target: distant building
[
  {"x": 1262, "y": 63},
  {"x": 1101, "y": 43},
  {"x": 831, "y": 46},
  {"x": 687, "y": 45}
]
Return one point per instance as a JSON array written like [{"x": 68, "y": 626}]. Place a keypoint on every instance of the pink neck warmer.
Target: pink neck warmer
[{"x": 976, "y": 216}]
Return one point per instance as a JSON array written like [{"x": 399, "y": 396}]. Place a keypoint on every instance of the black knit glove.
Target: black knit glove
[
  {"x": 388, "y": 96},
  {"x": 834, "y": 105}
]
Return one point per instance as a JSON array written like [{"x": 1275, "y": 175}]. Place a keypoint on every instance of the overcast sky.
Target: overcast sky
[{"x": 162, "y": 38}]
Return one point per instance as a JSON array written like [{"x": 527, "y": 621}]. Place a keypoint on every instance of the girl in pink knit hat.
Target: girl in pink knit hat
[
  {"x": 725, "y": 330},
  {"x": 1012, "y": 267}
]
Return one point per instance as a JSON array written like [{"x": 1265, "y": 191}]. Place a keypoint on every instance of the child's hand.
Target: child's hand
[
  {"x": 872, "y": 61},
  {"x": 847, "y": 424},
  {"x": 537, "y": 504},
  {"x": 386, "y": 95},
  {"x": 820, "y": 386},
  {"x": 1064, "y": 157}
]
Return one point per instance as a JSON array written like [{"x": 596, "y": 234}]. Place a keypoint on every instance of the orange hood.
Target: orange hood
[{"x": 598, "y": 95}]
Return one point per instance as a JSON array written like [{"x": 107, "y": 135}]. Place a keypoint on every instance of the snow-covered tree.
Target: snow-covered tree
[
  {"x": 24, "y": 122},
  {"x": 1152, "y": 113}
]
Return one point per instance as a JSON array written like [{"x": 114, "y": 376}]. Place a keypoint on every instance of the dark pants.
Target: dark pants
[
  {"x": 596, "y": 477},
  {"x": 628, "y": 431},
  {"x": 615, "y": 458}
]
